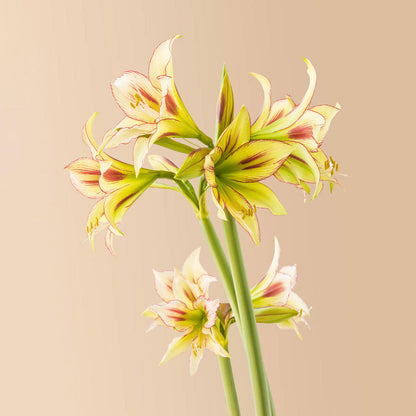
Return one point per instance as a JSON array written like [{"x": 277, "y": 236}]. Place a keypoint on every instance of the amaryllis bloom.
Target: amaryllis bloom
[
  {"x": 235, "y": 167},
  {"x": 142, "y": 98},
  {"x": 283, "y": 120},
  {"x": 187, "y": 309},
  {"x": 112, "y": 182},
  {"x": 275, "y": 290}
]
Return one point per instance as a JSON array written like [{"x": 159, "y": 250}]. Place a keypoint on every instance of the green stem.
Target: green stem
[
  {"x": 247, "y": 319},
  {"x": 222, "y": 263},
  {"x": 206, "y": 140},
  {"x": 229, "y": 386}
]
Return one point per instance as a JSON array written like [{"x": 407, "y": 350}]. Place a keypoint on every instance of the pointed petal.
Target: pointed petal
[
  {"x": 193, "y": 166},
  {"x": 271, "y": 272},
  {"x": 184, "y": 289},
  {"x": 118, "y": 202},
  {"x": 280, "y": 108},
  {"x": 260, "y": 196},
  {"x": 123, "y": 135},
  {"x": 177, "y": 315},
  {"x": 178, "y": 346},
  {"x": 135, "y": 94},
  {"x": 239, "y": 208},
  {"x": 213, "y": 345},
  {"x": 192, "y": 268},
  {"x": 254, "y": 161},
  {"x": 162, "y": 163},
  {"x": 301, "y": 166},
  {"x": 236, "y": 134},
  {"x": 96, "y": 221},
  {"x": 161, "y": 62},
  {"x": 163, "y": 284},
  {"x": 85, "y": 174},
  {"x": 197, "y": 352},
  {"x": 328, "y": 112},
  {"x": 225, "y": 105},
  {"x": 140, "y": 151},
  {"x": 265, "y": 113},
  {"x": 297, "y": 112}
]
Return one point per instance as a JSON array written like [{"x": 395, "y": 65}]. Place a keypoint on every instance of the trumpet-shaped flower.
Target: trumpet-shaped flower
[
  {"x": 142, "y": 98},
  {"x": 275, "y": 291},
  {"x": 187, "y": 309},
  {"x": 285, "y": 121},
  {"x": 234, "y": 168},
  {"x": 112, "y": 182}
]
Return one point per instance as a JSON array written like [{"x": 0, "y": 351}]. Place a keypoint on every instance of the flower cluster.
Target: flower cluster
[
  {"x": 284, "y": 142},
  {"x": 187, "y": 309},
  {"x": 204, "y": 323}
]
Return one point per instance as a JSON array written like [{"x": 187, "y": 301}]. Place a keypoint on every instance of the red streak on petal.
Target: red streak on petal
[
  {"x": 274, "y": 290},
  {"x": 148, "y": 96},
  {"x": 113, "y": 175},
  {"x": 170, "y": 104},
  {"x": 301, "y": 132}
]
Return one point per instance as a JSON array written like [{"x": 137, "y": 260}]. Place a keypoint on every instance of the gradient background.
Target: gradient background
[{"x": 72, "y": 338}]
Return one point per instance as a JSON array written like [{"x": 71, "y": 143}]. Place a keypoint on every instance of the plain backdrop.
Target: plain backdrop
[{"x": 73, "y": 341}]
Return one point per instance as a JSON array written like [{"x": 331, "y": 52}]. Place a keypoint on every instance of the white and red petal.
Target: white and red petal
[
  {"x": 262, "y": 119},
  {"x": 133, "y": 92},
  {"x": 85, "y": 174},
  {"x": 184, "y": 289},
  {"x": 161, "y": 62},
  {"x": 175, "y": 314},
  {"x": 163, "y": 285}
]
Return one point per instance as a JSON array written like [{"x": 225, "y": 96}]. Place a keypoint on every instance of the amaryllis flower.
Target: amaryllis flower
[
  {"x": 142, "y": 98},
  {"x": 275, "y": 291},
  {"x": 187, "y": 309},
  {"x": 112, "y": 182},
  {"x": 235, "y": 167},
  {"x": 283, "y": 120}
]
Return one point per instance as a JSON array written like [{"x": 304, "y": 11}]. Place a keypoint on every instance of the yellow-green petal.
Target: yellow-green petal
[
  {"x": 193, "y": 165},
  {"x": 225, "y": 105}
]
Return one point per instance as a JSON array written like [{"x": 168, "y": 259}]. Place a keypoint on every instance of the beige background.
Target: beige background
[{"x": 72, "y": 338}]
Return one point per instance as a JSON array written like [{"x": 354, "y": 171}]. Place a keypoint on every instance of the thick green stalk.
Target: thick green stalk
[
  {"x": 229, "y": 386},
  {"x": 247, "y": 320},
  {"x": 222, "y": 263}
]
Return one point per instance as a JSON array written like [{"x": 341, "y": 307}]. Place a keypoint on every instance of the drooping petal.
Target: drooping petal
[
  {"x": 236, "y": 134},
  {"x": 299, "y": 166},
  {"x": 163, "y": 285},
  {"x": 161, "y": 62},
  {"x": 260, "y": 196},
  {"x": 215, "y": 346},
  {"x": 193, "y": 166},
  {"x": 239, "y": 208},
  {"x": 85, "y": 174},
  {"x": 225, "y": 105},
  {"x": 140, "y": 151},
  {"x": 328, "y": 112},
  {"x": 254, "y": 161},
  {"x": 118, "y": 202},
  {"x": 135, "y": 95},
  {"x": 162, "y": 163},
  {"x": 178, "y": 346},
  {"x": 124, "y": 135},
  {"x": 96, "y": 221},
  {"x": 265, "y": 113}
]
